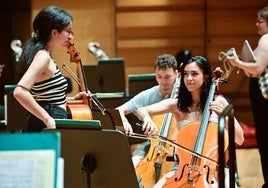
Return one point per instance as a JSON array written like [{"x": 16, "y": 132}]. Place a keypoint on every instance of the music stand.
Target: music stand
[
  {"x": 96, "y": 158},
  {"x": 106, "y": 77},
  {"x": 140, "y": 82},
  {"x": 110, "y": 120}
]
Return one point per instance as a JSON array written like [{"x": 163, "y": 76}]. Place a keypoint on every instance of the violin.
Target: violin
[
  {"x": 80, "y": 109},
  {"x": 154, "y": 165},
  {"x": 200, "y": 137}
]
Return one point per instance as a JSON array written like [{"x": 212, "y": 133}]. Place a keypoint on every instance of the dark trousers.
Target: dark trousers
[
  {"x": 33, "y": 124},
  {"x": 260, "y": 113}
]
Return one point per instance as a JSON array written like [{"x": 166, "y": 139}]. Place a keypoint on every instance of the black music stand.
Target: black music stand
[
  {"x": 106, "y": 77},
  {"x": 140, "y": 82},
  {"x": 110, "y": 120},
  {"x": 96, "y": 158}
]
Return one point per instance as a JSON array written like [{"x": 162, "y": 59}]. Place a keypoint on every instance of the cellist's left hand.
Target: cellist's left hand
[
  {"x": 217, "y": 107},
  {"x": 148, "y": 126},
  {"x": 80, "y": 95}
]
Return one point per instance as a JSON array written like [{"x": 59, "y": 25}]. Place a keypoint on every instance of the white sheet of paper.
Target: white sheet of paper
[
  {"x": 27, "y": 168},
  {"x": 60, "y": 175}
]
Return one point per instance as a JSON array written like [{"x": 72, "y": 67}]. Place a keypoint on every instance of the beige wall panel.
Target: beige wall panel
[
  {"x": 236, "y": 5},
  {"x": 143, "y": 56},
  {"x": 128, "y": 4},
  {"x": 142, "y": 52},
  {"x": 160, "y": 24},
  {"x": 231, "y": 22}
]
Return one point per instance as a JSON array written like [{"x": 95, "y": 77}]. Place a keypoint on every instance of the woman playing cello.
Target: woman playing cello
[
  {"x": 194, "y": 89},
  {"x": 42, "y": 88}
]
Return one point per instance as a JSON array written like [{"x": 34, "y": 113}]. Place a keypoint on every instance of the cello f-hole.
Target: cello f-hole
[{"x": 208, "y": 170}]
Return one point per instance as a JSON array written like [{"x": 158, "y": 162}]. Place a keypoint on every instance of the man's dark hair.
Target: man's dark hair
[{"x": 165, "y": 61}]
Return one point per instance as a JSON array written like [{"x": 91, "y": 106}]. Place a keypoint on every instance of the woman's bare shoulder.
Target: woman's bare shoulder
[{"x": 41, "y": 59}]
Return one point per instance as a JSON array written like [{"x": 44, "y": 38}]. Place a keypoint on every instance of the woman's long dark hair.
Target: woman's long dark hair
[
  {"x": 185, "y": 98},
  {"x": 46, "y": 20}
]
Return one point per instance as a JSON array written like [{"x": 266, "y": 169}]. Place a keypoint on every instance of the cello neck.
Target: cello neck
[
  {"x": 168, "y": 117},
  {"x": 200, "y": 140},
  {"x": 81, "y": 76},
  {"x": 198, "y": 148}
]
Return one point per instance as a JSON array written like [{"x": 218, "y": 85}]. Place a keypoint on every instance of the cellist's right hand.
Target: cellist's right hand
[
  {"x": 127, "y": 127},
  {"x": 148, "y": 126}
]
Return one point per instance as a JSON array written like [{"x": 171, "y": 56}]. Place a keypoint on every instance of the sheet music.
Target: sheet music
[
  {"x": 27, "y": 169},
  {"x": 60, "y": 175}
]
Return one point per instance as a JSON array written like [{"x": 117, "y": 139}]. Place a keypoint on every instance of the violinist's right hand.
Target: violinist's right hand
[{"x": 148, "y": 126}]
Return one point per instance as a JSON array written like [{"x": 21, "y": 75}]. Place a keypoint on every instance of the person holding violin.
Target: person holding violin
[
  {"x": 42, "y": 88},
  {"x": 165, "y": 68},
  {"x": 188, "y": 107}
]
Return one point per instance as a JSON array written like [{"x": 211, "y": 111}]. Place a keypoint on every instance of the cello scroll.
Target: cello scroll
[{"x": 78, "y": 109}]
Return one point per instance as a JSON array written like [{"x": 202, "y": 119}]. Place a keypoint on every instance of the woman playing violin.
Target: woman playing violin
[
  {"x": 196, "y": 79},
  {"x": 42, "y": 88}
]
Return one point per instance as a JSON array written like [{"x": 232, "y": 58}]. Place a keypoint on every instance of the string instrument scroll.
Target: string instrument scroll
[
  {"x": 227, "y": 65},
  {"x": 80, "y": 109},
  {"x": 200, "y": 137}
]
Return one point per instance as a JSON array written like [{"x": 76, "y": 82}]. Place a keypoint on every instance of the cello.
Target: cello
[
  {"x": 80, "y": 109},
  {"x": 200, "y": 137},
  {"x": 154, "y": 165}
]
